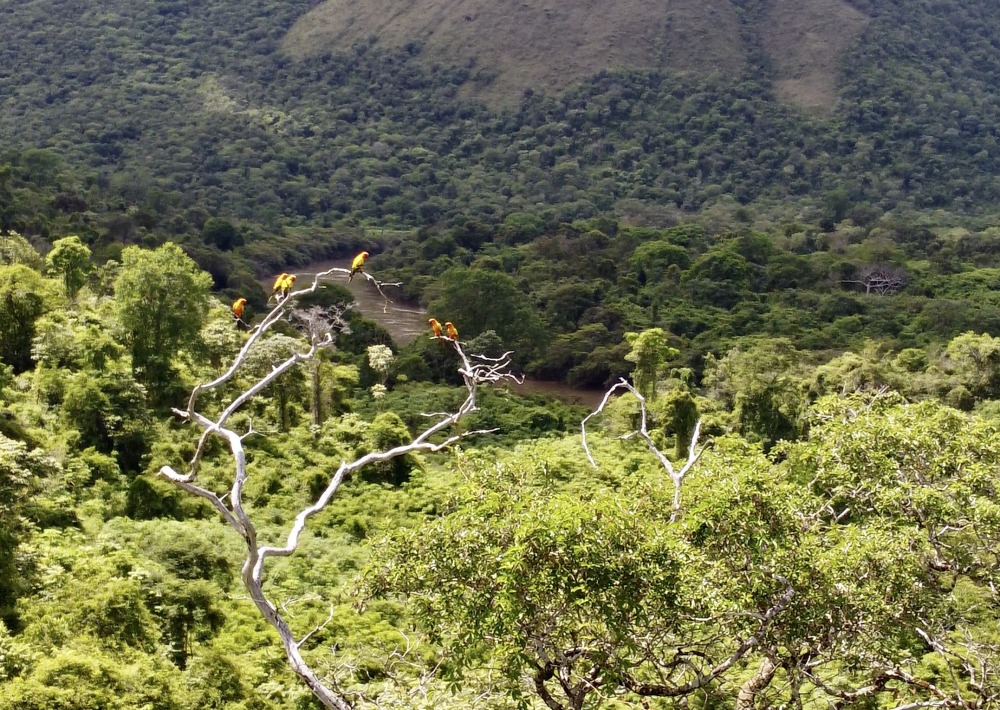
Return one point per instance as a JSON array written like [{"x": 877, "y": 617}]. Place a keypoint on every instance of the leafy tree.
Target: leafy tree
[
  {"x": 109, "y": 412},
  {"x": 977, "y": 357},
  {"x": 21, "y": 472},
  {"x": 586, "y": 600},
  {"x": 678, "y": 411},
  {"x": 221, "y": 233},
  {"x": 652, "y": 259},
  {"x": 869, "y": 370},
  {"x": 477, "y": 300},
  {"x": 24, "y": 297},
  {"x": 161, "y": 303},
  {"x": 761, "y": 382},
  {"x": 649, "y": 352},
  {"x": 15, "y": 249},
  {"x": 721, "y": 276},
  {"x": 381, "y": 361},
  {"x": 386, "y": 431},
  {"x": 290, "y": 387},
  {"x": 69, "y": 259}
]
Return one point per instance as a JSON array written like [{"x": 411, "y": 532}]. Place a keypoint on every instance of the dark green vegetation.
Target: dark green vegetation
[
  {"x": 179, "y": 108},
  {"x": 564, "y": 296}
]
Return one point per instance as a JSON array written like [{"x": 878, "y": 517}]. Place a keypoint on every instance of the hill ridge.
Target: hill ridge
[{"x": 516, "y": 45}]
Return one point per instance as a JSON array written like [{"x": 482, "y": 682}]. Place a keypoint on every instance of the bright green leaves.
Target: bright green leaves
[
  {"x": 650, "y": 352},
  {"x": 70, "y": 261},
  {"x": 520, "y": 574},
  {"x": 161, "y": 302},
  {"x": 22, "y": 473},
  {"x": 24, "y": 297},
  {"x": 869, "y": 524},
  {"x": 977, "y": 358},
  {"x": 761, "y": 380}
]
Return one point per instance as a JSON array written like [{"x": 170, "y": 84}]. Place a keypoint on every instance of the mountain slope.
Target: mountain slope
[
  {"x": 515, "y": 46},
  {"x": 235, "y": 109}
]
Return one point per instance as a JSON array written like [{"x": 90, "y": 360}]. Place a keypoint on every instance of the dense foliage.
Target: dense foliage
[
  {"x": 854, "y": 559},
  {"x": 775, "y": 276},
  {"x": 195, "y": 107}
]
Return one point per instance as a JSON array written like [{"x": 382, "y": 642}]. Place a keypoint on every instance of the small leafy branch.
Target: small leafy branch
[{"x": 476, "y": 371}]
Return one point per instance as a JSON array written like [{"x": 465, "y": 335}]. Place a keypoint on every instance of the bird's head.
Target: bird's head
[
  {"x": 291, "y": 279},
  {"x": 363, "y": 255}
]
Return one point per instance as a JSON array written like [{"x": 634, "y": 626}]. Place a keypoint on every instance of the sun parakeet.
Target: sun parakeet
[{"x": 357, "y": 264}]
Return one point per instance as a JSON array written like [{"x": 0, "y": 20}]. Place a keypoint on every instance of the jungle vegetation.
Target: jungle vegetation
[
  {"x": 835, "y": 541},
  {"x": 813, "y": 293}
]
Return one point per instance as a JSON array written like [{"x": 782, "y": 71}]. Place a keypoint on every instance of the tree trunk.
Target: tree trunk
[
  {"x": 760, "y": 680},
  {"x": 316, "y": 408}
]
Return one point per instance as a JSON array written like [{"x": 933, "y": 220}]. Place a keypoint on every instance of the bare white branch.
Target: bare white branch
[
  {"x": 677, "y": 477},
  {"x": 475, "y": 370},
  {"x": 316, "y": 630}
]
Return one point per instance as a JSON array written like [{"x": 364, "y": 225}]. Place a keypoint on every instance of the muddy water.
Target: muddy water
[{"x": 405, "y": 322}]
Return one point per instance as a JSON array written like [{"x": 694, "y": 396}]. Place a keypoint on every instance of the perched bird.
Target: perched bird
[
  {"x": 357, "y": 264},
  {"x": 278, "y": 284},
  {"x": 451, "y": 330},
  {"x": 287, "y": 285},
  {"x": 238, "y": 305},
  {"x": 436, "y": 327}
]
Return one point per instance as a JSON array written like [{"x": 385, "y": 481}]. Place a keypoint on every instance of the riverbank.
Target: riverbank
[{"x": 405, "y": 322}]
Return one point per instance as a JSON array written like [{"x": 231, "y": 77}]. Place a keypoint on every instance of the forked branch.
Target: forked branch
[
  {"x": 676, "y": 476},
  {"x": 475, "y": 370}
]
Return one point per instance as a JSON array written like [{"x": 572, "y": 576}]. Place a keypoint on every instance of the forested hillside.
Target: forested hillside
[
  {"x": 765, "y": 229},
  {"x": 177, "y": 105}
]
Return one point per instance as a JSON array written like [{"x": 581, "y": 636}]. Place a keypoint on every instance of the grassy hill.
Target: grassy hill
[{"x": 514, "y": 46}]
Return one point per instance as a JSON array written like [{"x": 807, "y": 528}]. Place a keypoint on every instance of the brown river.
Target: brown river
[{"x": 406, "y": 321}]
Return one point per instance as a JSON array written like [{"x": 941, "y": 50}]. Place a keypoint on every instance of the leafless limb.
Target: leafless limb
[
  {"x": 316, "y": 630},
  {"x": 755, "y": 684},
  {"x": 476, "y": 371},
  {"x": 379, "y": 285},
  {"x": 948, "y": 655},
  {"x": 677, "y": 476},
  {"x": 846, "y": 698},
  {"x": 703, "y": 679},
  {"x": 881, "y": 279}
]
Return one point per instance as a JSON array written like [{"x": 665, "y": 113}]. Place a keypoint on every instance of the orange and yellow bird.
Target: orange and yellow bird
[
  {"x": 436, "y": 327},
  {"x": 357, "y": 264},
  {"x": 238, "y": 305},
  {"x": 278, "y": 284},
  {"x": 451, "y": 330},
  {"x": 287, "y": 285}
]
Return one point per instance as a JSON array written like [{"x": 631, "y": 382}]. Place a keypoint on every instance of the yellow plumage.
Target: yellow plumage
[
  {"x": 278, "y": 283},
  {"x": 357, "y": 264}
]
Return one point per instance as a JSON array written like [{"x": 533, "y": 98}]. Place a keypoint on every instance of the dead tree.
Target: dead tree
[
  {"x": 881, "y": 279},
  {"x": 475, "y": 370},
  {"x": 676, "y": 476}
]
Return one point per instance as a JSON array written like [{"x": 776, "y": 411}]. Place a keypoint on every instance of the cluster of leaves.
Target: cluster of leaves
[{"x": 578, "y": 586}]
